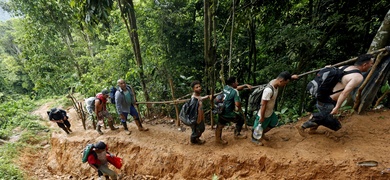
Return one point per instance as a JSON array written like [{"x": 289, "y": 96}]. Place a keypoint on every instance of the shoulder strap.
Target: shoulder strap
[{"x": 272, "y": 89}]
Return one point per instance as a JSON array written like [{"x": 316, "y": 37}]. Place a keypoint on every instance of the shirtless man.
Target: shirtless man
[
  {"x": 102, "y": 112},
  {"x": 326, "y": 109}
]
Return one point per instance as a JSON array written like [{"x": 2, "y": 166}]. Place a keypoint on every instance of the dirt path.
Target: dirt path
[{"x": 164, "y": 152}]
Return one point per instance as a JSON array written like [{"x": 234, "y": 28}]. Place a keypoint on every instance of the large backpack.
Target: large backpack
[
  {"x": 189, "y": 112},
  {"x": 112, "y": 94},
  {"x": 90, "y": 103},
  {"x": 321, "y": 87},
  {"x": 255, "y": 98},
  {"x": 86, "y": 152}
]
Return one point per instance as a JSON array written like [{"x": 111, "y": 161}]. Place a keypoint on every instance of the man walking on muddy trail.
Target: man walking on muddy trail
[
  {"x": 102, "y": 112},
  {"x": 330, "y": 104},
  {"x": 124, "y": 101},
  {"x": 232, "y": 102}
]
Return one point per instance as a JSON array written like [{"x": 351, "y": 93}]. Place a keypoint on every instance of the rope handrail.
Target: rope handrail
[{"x": 180, "y": 100}]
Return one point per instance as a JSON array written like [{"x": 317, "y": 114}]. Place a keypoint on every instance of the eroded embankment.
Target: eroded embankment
[{"x": 154, "y": 162}]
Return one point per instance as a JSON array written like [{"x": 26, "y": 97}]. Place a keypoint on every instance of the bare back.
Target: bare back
[{"x": 348, "y": 82}]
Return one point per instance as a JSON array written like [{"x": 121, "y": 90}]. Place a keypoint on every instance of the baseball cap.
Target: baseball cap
[
  {"x": 105, "y": 92},
  {"x": 100, "y": 145}
]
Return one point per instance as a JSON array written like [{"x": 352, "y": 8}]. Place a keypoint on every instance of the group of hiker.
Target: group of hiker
[
  {"x": 330, "y": 88},
  {"x": 331, "y": 85}
]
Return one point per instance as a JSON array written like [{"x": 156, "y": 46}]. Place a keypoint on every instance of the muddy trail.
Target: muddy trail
[{"x": 164, "y": 152}]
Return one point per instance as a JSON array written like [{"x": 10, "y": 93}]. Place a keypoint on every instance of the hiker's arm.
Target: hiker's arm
[
  {"x": 239, "y": 88},
  {"x": 93, "y": 166},
  {"x": 344, "y": 94},
  {"x": 295, "y": 77},
  {"x": 262, "y": 110},
  {"x": 205, "y": 97},
  {"x": 237, "y": 100}
]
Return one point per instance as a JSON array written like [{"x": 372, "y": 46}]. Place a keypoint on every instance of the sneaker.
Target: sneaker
[
  {"x": 240, "y": 136},
  {"x": 301, "y": 130},
  {"x": 257, "y": 142}
]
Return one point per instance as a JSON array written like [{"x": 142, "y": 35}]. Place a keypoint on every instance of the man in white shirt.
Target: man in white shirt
[{"x": 266, "y": 115}]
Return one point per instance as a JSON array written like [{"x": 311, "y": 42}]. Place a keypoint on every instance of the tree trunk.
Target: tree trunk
[
  {"x": 128, "y": 15},
  {"x": 382, "y": 37},
  {"x": 210, "y": 48},
  {"x": 231, "y": 39}
]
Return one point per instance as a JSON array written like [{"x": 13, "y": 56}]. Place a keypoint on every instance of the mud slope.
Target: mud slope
[{"x": 164, "y": 152}]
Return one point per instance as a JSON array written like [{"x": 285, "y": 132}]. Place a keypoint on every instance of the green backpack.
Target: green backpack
[{"x": 86, "y": 152}]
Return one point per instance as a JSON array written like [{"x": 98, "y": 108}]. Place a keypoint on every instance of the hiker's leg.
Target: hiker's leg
[
  {"x": 239, "y": 120},
  {"x": 110, "y": 120},
  {"x": 124, "y": 121},
  {"x": 62, "y": 126},
  {"x": 134, "y": 113},
  {"x": 105, "y": 170},
  {"x": 197, "y": 131},
  {"x": 67, "y": 124},
  {"x": 100, "y": 123},
  {"x": 218, "y": 131},
  {"x": 194, "y": 134}
]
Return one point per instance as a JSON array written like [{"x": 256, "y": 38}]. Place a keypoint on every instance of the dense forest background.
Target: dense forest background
[{"x": 52, "y": 47}]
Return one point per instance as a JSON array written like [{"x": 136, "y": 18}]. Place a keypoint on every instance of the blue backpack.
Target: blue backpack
[{"x": 112, "y": 94}]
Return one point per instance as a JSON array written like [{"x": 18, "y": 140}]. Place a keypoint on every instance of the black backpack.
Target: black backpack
[
  {"x": 255, "y": 98},
  {"x": 189, "y": 112},
  {"x": 321, "y": 87}
]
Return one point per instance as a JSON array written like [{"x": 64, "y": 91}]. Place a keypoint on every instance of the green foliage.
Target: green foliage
[
  {"x": 8, "y": 170},
  {"x": 385, "y": 88},
  {"x": 16, "y": 120}
]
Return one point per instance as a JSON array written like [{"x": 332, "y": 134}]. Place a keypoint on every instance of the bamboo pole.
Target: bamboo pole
[
  {"x": 175, "y": 104},
  {"x": 342, "y": 63}
]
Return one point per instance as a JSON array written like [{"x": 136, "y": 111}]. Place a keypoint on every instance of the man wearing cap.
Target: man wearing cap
[
  {"x": 97, "y": 159},
  {"x": 101, "y": 111},
  {"x": 59, "y": 116},
  {"x": 125, "y": 99}
]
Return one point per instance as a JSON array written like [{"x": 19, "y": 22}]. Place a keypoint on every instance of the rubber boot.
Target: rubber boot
[
  {"x": 139, "y": 125},
  {"x": 98, "y": 129},
  {"x": 111, "y": 125},
  {"x": 218, "y": 135},
  {"x": 125, "y": 127}
]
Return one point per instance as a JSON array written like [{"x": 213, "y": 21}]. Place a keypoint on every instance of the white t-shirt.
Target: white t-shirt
[{"x": 267, "y": 93}]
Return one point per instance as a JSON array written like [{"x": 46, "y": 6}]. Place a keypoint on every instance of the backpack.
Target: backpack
[
  {"x": 112, "y": 94},
  {"x": 189, "y": 112},
  {"x": 56, "y": 114},
  {"x": 90, "y": 103},
  {"x": 321, "y": 87},
  {"x": 86, "y": 152},
  {"x": 255, "y": 97},
  {"x": 219, "y": 105}
]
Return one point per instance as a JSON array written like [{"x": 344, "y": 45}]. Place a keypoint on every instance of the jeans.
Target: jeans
[{"x": 323, "y": 118}]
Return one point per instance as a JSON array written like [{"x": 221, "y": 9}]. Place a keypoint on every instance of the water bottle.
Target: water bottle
[{"x": 258, "y": 132}]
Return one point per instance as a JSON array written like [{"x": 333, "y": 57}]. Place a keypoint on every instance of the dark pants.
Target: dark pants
[
  {"x": 239, "y": 120},
  {"x": 323, "y": 117},
  {"x": 65, "y": 125},
  {"x": 197, "y": 131}
]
